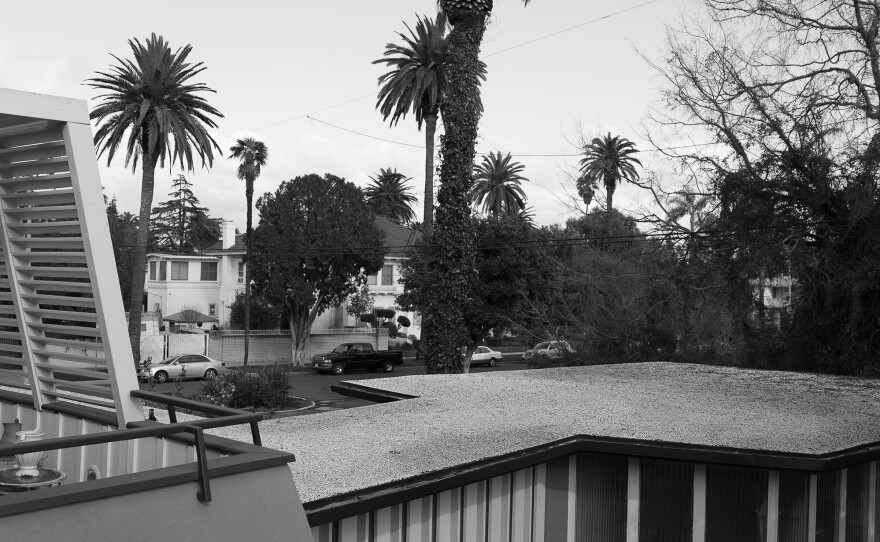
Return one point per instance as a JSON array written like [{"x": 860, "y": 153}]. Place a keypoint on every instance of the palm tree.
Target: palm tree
[
  {"x": 417, "y": 82},
  {"x": 152, "y": 109},
  {"x": 389, "y": 196},
  {"x": 608, "y": 159},
  {"x": 452, "y": 237},
  {"x": 253, "y": 155},
  {"x": 497, "y": 186}
]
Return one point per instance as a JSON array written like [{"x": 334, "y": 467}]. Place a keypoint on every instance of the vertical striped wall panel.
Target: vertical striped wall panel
[
  {"x": 110, "y": 459},
  {"x": 589, "y": 497}
]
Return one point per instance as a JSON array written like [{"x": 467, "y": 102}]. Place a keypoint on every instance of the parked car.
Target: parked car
[
  {"x": 182, "y": 366},
  {"x": 484, "y": 355},
  {"x": 349, "y": 356},
  {"x": 551, "y": 349}
]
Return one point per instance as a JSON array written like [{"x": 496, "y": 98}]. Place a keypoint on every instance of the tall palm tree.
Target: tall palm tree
[
  {"x": 253, "y": 155},
  {"x": 452, "y": 237},
  {"x": 497, "y": 186},
  {"x": 417, "y": 82},
  {"x": 151, "y": 107},
  {"x": 610, "y": 160},
  {"x": 390, "y": 197}
]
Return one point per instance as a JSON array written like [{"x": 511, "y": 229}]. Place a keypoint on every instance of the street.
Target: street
[{"x": 315, "y": 386}]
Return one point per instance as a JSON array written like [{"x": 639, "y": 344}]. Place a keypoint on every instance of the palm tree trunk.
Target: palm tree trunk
[
  {"x": 428, "y": 215},
  {"x": 139, "y": 258},
  {"x": 452, "y": 234},
  {"x": 249, "y": 196},
  {"x": 609, "y": 193}
]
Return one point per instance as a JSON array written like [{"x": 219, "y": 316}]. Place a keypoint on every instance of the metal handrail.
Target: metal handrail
[
  {"x": 227, "y": 417},
  {"x": 170, "y": 401}
]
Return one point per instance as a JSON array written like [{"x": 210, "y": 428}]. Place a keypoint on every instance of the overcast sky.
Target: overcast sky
[{"x": 274, "y": 62}]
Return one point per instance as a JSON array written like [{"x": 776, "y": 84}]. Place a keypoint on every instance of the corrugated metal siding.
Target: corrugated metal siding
[
  {"x": 666, "y": 501},
  {"x": 794, "y": 506},
  {"x": 828, "y": 507},
  {"x": 736, "y": 504},
  {"x": 601, "y": 497},
  {"x": 583, "y": 498},
  {"x": 858, "y": 484}
]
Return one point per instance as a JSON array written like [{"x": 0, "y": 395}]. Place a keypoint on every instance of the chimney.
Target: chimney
[{"x": 228, "y": 234}]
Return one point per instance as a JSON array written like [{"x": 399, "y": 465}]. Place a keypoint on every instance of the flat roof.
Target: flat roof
[{"x": 648, "y": 409}]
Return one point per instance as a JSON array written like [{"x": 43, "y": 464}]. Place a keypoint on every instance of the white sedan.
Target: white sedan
[
  {"x": 182, "y": 366},
  {"x": 484, "y": 355}
]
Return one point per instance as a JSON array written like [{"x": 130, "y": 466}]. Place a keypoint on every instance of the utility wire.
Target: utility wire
[{"x": 340, "y": 104}]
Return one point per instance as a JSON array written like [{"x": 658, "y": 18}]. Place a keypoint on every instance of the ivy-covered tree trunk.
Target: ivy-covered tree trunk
[
  {"x": 428, "y": 213},
  {"x": 454, "y": 271}
]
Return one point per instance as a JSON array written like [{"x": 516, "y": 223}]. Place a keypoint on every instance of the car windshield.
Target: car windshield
[
  {"x": 541, "y": 346},
  {"x": 341, "y": 349}
]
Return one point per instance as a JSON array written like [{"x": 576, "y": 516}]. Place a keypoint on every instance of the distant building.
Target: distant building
[
  {"x": 209, "y": 282},
  {"x": 776, "y": 296}
]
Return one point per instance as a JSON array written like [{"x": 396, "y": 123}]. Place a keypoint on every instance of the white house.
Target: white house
[
  {"x": 208, "y": 282},
  {"x": 204, "y": 282}
]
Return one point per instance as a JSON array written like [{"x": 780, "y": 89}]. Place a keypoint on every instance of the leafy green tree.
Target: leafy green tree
[
  {"x": 497, "y": 186},
  {"x": 513, "y": 271},
  {"x": 123, "y": 235},
  {"x": 389, "y": 196},
  {"x": 263, "y": 314},
  {"x": 461, "y": 109},
  {"x": 316, "y": 243},
  {"x": 610, "y": 160},
  {"x": 360, "y": 301},
  {"x": 253, "y": 155},
  {"x": 180, "y": 223},
  {"x": 151, "y": 107},
  {"x": 417, "y": 82}
]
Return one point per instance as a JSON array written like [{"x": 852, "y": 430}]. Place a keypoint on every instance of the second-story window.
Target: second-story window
[
  {"x": 388, "y": 275},
  {"x": 179, "y": 270},
  {"x": 163, "y": 271},
  {"x": 241, "y": 272},
  {"x": 152, "y": 270},
  {"x": 209, "y": 271}
]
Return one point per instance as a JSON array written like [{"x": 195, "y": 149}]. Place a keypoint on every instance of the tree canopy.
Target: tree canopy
[
  {"x": 180, "y": 223},
  {"x": 314, "y": 246}
]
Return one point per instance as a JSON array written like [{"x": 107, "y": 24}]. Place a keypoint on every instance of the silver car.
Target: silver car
[
  {"x": 485, "y": 355},
  {"x": 182, "y": 366},
  {"x": 551, "y": 349}
]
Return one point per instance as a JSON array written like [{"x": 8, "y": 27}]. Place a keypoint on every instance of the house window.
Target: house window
[
  {"x": 241, "y": 272},
  {"x": 387, "y": 275},
  {"x": 152, "y": 270},
  {"x": 162, "y": 271},
  {"x": 212, "y": 309},
  {"x": 179, "y": 270},
  {"x": 371, "y": 280},
  {"x": 209, "y": 271}
]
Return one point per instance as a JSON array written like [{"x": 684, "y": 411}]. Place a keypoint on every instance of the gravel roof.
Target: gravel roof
[{"x": 458, "y": 419}]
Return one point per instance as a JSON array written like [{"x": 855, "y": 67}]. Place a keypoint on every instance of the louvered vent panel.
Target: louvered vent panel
[{"x": 56, "y": 322}]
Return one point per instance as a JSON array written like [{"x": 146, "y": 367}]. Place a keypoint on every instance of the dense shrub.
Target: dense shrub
[
  {"x": 403, "y": 321},
  {"x": 392, "y": 329},
  {"x": 367, "y": 318},
  {"x": 385, "y": 313},
  {"x": 543, "y": 361},
  {"x": 260, "y": 389}
]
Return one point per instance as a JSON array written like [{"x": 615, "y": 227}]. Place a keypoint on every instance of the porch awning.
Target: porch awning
[{"x": 188, "y": 316}]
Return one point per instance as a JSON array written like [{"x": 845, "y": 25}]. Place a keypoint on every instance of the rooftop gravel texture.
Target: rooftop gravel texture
[{"x": 458, "y": 419}]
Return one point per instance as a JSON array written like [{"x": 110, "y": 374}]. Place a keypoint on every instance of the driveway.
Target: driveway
[{"x": 314, "y": 386}]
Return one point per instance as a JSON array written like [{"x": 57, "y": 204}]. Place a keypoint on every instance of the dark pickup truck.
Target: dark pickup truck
[{"x": 356, "y": 356}]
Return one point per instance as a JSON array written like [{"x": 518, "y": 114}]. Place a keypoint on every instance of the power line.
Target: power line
[
  {"x": 564, "y": 242},
  {"x": 340, "y": 104}
]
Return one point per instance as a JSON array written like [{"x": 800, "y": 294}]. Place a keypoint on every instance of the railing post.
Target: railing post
[
  {"x": 204, "y": 493},
  {"x": 255, "y": 433},
  {"x": 172, "y": 414}
]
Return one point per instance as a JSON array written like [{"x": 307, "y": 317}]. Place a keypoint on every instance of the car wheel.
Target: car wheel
[
  {"x": 161, "y": 377},
  {"x": 337, "y": 368},
  {"x": 210, "y": 373},
  {"x": 388, "y": 367},
  {"x": 493, "y": 362}
]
